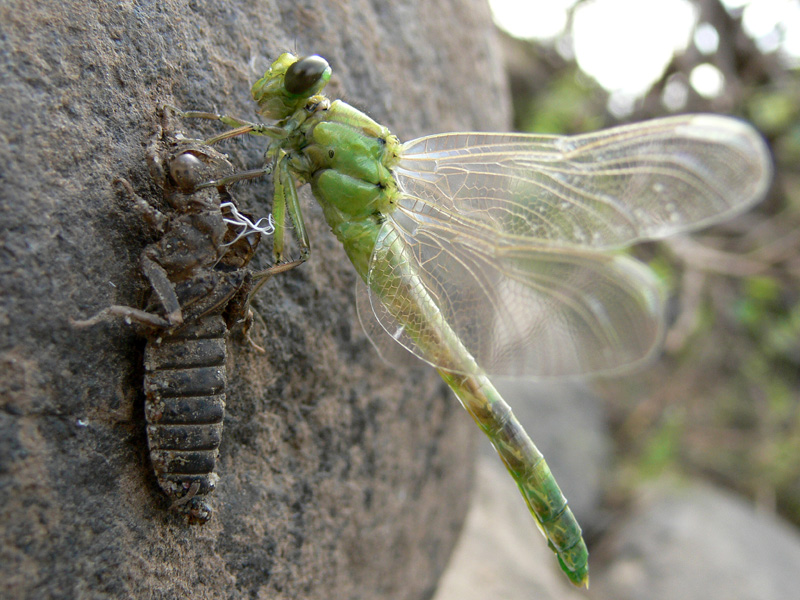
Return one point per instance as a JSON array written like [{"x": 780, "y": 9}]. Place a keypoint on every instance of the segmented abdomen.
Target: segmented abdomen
[{"x": 184, "y": 387}]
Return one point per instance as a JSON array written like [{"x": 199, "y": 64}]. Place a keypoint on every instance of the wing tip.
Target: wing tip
[{"x": 737, "y": 133}]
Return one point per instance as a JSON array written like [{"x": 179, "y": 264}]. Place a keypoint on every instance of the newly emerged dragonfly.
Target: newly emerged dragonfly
[{"x": 493, "y": 253}]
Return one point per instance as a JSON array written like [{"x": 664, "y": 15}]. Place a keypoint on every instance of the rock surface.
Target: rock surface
[
  {"x": 341, "y": 477},
  {"x": 693, "y": 541}
]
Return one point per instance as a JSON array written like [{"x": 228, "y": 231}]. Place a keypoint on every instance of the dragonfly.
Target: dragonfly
[{"x": 500, "y": 253}]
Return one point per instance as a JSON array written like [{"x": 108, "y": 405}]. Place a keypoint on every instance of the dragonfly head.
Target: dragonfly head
[{"x": 289, "y": 83}]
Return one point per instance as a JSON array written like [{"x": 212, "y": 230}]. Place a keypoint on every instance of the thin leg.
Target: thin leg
[
  {"x": 286, "y": 199},
  {"x": 247, "y": 327},
  {"x": 261, "y": 277},
  {"x": 231, "y": 179},
  {"x": 239, "y": 126},
  {"x": 150, "y": 215},
  {"x": 292, "y": 200},
  {"x": 231, "y": 133},
  {"x": 127, "y": 312}
]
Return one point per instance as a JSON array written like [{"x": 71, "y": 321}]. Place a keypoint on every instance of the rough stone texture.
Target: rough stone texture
[
  {"x": 341, "y": 477},
  {"x": 697, "y": 542}
]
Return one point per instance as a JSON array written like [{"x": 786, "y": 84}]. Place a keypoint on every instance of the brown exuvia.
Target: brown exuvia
[{"x": 201, "y": 285}]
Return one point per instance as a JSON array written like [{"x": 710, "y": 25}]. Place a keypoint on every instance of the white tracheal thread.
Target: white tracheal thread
[{"x": 246, "y": 225}]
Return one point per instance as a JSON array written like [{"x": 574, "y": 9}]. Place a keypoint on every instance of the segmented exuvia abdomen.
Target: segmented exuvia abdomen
[{"x": 184, "y": 387}]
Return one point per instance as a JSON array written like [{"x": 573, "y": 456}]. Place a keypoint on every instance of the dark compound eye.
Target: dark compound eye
[
  {"x": 186, "y": 170},
  {"x": 304, "y": 74}
]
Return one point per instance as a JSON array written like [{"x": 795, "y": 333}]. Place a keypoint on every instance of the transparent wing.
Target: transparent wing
[
  {"x": 390, "y": 351},
  {"x": 522, "y": 311},
  {"x": 602, "y": 190},
  {"x": 503, "y": 234}
]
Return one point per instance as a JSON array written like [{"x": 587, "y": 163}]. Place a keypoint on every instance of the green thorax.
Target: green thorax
[
  {"x": 345, "y": 156},
  {"x": 348, "y": 159}
]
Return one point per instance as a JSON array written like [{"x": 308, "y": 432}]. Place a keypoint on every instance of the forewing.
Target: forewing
[
  {"x": 601, "y": 190},
  {"x": 503, "y": 234}
]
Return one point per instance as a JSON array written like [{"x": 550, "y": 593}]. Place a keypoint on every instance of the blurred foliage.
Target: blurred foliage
[{"x": 724, "y": 400}]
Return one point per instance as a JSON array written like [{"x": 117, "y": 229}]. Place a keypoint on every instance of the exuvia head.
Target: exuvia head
[
  {"x": 186, "y": 171},
  {"x": 289, "y": 83}
]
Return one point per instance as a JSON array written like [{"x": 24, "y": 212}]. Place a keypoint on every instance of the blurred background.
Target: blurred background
[
  {"x": 722, "y": 405},
  {"x": 725, "y": 398}
]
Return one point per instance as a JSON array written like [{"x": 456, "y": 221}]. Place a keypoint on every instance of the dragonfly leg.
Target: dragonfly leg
[
  {"x": 236, "y": 177},
  {"x": 238, "y": 126},
  {"x": 285, "y": 200}
]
